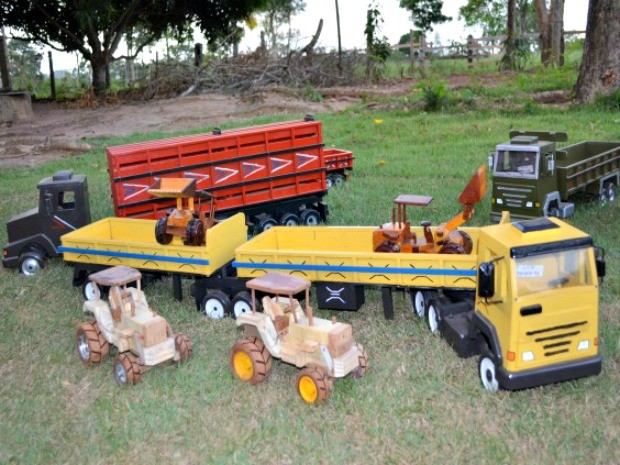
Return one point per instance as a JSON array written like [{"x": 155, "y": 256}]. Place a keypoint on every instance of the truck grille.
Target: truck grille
[
  {"x": 513, "y": 196},
  {"x": 557, "y": 340}
]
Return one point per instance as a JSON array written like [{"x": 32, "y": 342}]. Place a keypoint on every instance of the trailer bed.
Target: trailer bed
[
  {"x": 344, "y": 254},
  {"x": 131, "y": 242},
  {"x": 585, "y": 163}
]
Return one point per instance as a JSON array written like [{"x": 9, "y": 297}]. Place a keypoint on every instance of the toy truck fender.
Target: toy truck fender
[
  {"x": 259, "y": 324},
  {"x": 38, "y": 243}
]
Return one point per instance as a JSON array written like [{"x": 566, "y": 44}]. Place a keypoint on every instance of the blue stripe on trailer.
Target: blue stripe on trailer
[
  {"x": 356, "y": 269},
  {"x": 137, "y": 256}
]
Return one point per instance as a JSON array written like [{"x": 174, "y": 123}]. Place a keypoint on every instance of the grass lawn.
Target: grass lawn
[{"x": 418, "y": 403}]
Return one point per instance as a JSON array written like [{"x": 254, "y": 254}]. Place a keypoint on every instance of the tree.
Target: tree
[
  {"x": 600, "y": 68},
  {"x": 491, "y": 16},
  {"x": 94, "y": 28},
  {"x": 425, "y": 13},
  {"x": 277, "y": 13},
  {"x": 25, "y": 64},
  {"x": 551, "y": 26}
]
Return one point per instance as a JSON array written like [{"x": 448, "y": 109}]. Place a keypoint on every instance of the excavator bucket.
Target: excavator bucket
[{"x": 476, "y": 188}]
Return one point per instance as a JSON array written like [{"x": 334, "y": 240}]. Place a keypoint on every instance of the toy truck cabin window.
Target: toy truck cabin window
[
  {"x": 66, "y": 200},
  {"x": 515, "y": 162},
  {"x": 557, "y": 270}
]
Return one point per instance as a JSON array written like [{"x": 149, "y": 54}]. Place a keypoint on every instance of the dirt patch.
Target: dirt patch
[{"x": 59, "y": 131}]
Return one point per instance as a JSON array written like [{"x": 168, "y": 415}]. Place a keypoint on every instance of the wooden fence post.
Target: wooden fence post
[
  {"x": 470, "y": 50},
  {"x": 52, "y": 77},
  {"x": 422, "y": 53}
]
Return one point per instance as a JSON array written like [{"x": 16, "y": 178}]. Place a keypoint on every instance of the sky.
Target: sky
[{"x": 396, "y": 22}]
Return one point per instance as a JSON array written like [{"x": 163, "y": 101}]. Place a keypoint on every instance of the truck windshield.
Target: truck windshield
[
  {"x": 540, "y": 273},
  {"x": 516, "y": 163}
]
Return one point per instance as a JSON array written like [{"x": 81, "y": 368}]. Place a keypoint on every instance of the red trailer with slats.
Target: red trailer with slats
[{"x": 274, "y": 173}]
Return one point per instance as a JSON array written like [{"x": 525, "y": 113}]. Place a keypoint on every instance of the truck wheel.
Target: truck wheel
[
  {"x": 339, "y": 180},
  {"x": 242, "y": 304},
  {"x": 183, "y": 347},
  {"x": 160, "y": 232},
  {"x": 419, "y": 302},
  {"x": 88, "y": 291},
  {"x": 30, "y": 263},
  {"x": 362, "y": 362},
  {"x": 313, "y": 385},
  {"x": 127, "y": 369},
  {"x": 432, "y": 317},
  {"x": 195, "y": 233},
  {"x": 289, "y": 219},
  {"x": 487, "y": 371},
  {"x": 216, "y": 305},
  {"x": 266, "y": 223},
  {"x": 310, "y": 217},
  {"x": 329, "y": 181},
  {"x": 611, "y": 192},
  {"x": 250, "y": 361},
  {"x": 90, "y": 343}
]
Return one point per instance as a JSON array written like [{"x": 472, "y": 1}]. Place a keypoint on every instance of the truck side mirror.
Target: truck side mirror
[
  {"x": 490, "y": 161},
  {"x": 49, "y": 206},
  {"x": 599, "y": 258},
  {"x": 550, "y": 164},
  {"x": 486, "y": 279}
]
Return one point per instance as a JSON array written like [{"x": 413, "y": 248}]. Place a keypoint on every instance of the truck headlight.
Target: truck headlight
[
  {"x": 528, "y": 204},
  {"x": 583, "y": 345},
  {"x": 527, "y": 356},
  {"x": 500, "y": 201}
]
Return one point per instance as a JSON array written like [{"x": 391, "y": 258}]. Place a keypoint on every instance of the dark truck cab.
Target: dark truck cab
[{"x": 35, "y": 234}]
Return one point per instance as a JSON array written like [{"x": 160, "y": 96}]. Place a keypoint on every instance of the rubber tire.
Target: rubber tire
[
  {"x": 257, "y": 360},
  {"x": 242, "y": 304},
  {"x": 313, "y": 385},
  {"x": 362, "y": 362},
  {"x": 88, "y": 291},
  {"x": 433, "y": 319},
  {"x": 220, "y": 299},
  {"x": 97, "y": 346},
  {"x": 127, "y": 369},
  {"x": 611, "y": 192},
  {"x": 30, "y": 263},
  {"x": 183, "y": 346},
  {"x": 329, "y": 181},
  {"x": 160, "y": 232},
  {"x": 310, "y": 217},
  {"x": 487, "y": 372},
  {"x": 266, "y": 223},
  {"x": 290, "y": 219},
  {"x": 420, "y": 299},
  {"x": 339, "y": 180}
]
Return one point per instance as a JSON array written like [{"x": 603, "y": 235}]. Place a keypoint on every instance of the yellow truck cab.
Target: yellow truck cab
[{"x": 537, "y": 304}]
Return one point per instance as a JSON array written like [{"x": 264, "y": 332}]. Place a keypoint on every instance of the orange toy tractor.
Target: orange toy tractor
[
  {"x": 185, "y": 221},
  {"x": 397, "y": 235}
]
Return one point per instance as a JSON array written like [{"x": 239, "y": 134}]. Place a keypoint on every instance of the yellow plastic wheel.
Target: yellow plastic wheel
[
  {"x": 313, "y": 385},
  {"x": 308, "y": 389},
  {"x": 243, "y": 366}
]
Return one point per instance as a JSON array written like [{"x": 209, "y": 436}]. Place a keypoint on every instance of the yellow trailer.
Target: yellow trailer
[{"x": 125, "y": 241}]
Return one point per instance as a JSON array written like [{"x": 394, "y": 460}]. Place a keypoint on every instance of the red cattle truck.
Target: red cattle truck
[{"x": 274, "y": 173}]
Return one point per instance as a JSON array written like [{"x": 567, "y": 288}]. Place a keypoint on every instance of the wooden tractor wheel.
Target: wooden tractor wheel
[
  {"x": 90, "y": 343},
  {"x": 195, "y": 233},
  {"x": 362, "y": 362},
  {"x": 459, "y": 242},
  {"x": 250, "y": 361},
  {"x": 313, "y": 385},
  {"x": 388, "y": 247},
  {"x": 127, "y": 369},
  {"x": 161, "y": 235},
  {"x": 183, "y": 347}
]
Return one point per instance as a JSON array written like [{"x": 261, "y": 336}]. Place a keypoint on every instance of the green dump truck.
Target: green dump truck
[{"x": 532, "y": 178}]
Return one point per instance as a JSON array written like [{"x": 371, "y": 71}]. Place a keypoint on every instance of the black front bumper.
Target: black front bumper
[{"x": 547, "y": 375}]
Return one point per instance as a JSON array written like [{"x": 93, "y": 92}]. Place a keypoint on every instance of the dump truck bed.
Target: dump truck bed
[
  {"x": 586, "y": 162},
  {"x": 344, "y": 254},
  {"x": 131, "y": 242}
]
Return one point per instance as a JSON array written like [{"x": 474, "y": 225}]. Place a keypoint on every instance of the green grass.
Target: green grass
[{"x": 419, "y": 402}]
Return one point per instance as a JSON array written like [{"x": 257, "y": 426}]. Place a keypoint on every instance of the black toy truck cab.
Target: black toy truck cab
[{"x": 35, "y": 234}]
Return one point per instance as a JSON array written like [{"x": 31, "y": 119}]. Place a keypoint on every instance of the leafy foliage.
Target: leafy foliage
[
  {"x": 24, "y": 64},
  {"x": 425, "y": 13}
]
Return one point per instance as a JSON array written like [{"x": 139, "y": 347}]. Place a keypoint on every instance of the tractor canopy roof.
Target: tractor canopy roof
[
  {"x": 278, "y": 283},
  {"x": 116, "y": 276}
]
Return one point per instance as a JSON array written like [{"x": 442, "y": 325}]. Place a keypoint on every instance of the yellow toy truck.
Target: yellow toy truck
[
  {"x": 143, "y": 338},
  {"x": 323, "y": 349}
]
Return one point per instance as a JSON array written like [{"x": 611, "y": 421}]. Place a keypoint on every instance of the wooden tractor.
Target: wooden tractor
[
  {"x": 398, "y": 237},
  {"x": 143, "y": 338},
  {"x": 323, "y": 349},
  {"x": 185, "y": 221}
]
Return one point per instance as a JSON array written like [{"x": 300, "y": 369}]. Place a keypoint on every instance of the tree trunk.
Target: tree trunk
[
  {"x": 339, "y": 40},
  {"x": 557, "y": 32},
  {"x": 99, "y": 67},
  {"x": 550, "y": 25},
  {"x": 508, "y": 60},
  {"x": 600, "y": 66}
]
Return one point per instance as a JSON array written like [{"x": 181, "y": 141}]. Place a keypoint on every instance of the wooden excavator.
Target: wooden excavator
[
  {"x": 184, "y": 221},
  {"x": 398, "y": 237}
]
